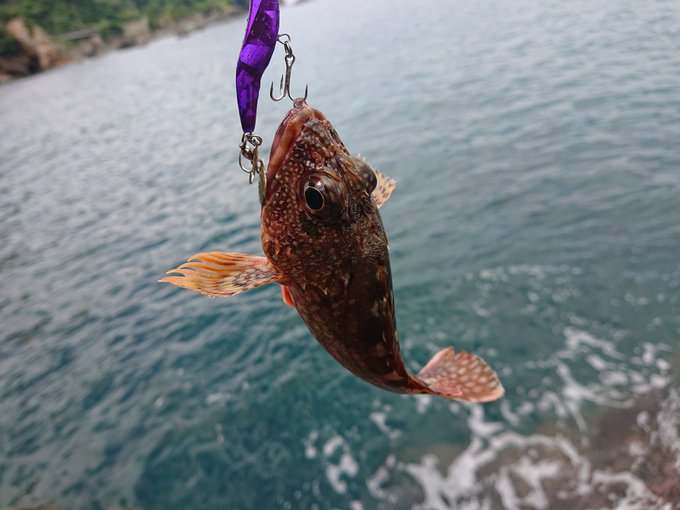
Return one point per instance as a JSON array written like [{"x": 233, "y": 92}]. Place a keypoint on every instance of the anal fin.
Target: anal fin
[
  {"x": 461, "y": 376},
  {"x": 223, "y": 274}
]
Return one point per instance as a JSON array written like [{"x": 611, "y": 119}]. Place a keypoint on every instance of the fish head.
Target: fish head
[{"x": 317, "y": 215}]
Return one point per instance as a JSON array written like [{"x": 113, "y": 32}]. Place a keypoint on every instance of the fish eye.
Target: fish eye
[
  {"x": 321, "y": 196},
  {"x": 366, "y": 174},
  {"x": 313, "y": 198}
]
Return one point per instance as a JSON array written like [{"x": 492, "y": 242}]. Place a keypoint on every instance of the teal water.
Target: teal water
[{"x": 536, "y": 221}]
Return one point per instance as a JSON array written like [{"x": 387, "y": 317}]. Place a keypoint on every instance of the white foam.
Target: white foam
[
  {"x": 480, "y": 311},
  {"x": 346, "y": 466},
  {"x": 667, "y": 421},
  {"x": 513, "y": 458},
  {"x": 423, "y": 403},
  {"x": 614, "y": 378},
  {"x": 597, "y": 362},
  {"x": 380, "y": 420},
  {"x": 214, "y": 398},
  {"x": 507, "y": 412},
  {"x": 533, "y": 475},
  {"x": 499, "y": 463},
  {"x": 637, "y": 494},
  {"x": 590, "y": 369},
  {"x": 642, "y": 421},
  {"x": 576, "y": 339},
  {"x": 382, "y": 475},
  {"x": 310, "y": 450},
  {"x": 478, "y": 426}
]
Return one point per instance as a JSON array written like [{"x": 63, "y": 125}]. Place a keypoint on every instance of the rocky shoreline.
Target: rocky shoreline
[{"x": 37, "y": 51}]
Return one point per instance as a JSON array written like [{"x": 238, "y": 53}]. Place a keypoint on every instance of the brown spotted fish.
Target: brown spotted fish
[{"x": 324, "y": 243}]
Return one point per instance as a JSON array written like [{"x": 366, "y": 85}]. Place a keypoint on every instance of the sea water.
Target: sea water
[{"x": 536, "y": 222}]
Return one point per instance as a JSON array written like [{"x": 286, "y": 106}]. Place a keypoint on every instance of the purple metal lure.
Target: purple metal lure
[{"x": 256, "y": 52}]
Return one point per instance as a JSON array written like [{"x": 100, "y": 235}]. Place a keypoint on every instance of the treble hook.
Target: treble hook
[
  {"x": 250, "y": 151},
  {"x": 284, "y": 86}
]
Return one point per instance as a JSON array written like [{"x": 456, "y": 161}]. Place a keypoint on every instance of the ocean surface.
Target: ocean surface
[{"x": 536, "y": 222}]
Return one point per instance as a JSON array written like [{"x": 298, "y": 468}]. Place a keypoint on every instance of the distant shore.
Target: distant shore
[{"x": 37, "y": 51}]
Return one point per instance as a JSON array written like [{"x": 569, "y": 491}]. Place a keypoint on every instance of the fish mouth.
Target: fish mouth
[{"x": 287, "y": 134}]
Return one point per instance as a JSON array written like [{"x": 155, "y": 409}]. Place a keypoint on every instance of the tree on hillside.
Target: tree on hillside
[{"x": 60, "y": 16}]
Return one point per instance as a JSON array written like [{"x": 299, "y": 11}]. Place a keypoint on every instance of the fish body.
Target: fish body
[{"x": 324, "y": 242}]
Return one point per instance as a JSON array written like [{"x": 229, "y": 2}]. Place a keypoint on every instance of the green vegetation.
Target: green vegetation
[
  {"x": 60, "y": 16},
  {"x": 9, "y": 46}
]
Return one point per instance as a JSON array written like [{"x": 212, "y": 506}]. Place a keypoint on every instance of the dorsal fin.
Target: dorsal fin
[{"x": 383, "y": 189}]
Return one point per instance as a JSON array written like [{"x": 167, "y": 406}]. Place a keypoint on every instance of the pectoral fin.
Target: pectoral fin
[
  {"x": 383, "y": 189},
  {"x": 461, "y": 376},
  {"x": 223, "y": 274},
  {"x": 285, "y": 295}
]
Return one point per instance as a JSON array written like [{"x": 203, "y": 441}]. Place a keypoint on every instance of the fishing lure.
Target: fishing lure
[{"x": 256, "y": 52}]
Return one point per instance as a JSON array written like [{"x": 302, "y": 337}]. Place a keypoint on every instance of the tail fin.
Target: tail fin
[{"x": 461, "y": 376}]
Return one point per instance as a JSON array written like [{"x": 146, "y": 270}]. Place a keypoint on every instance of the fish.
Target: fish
[{"x": 324, "y": 243}]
